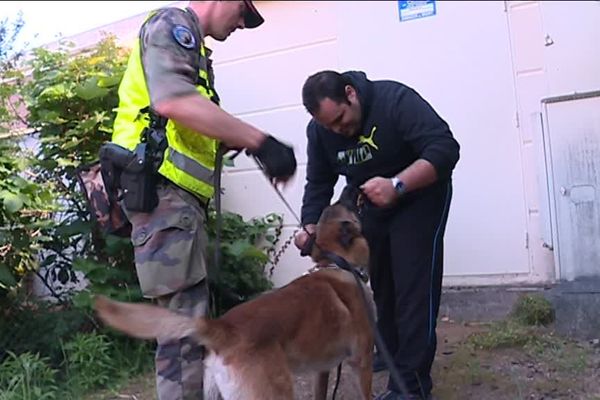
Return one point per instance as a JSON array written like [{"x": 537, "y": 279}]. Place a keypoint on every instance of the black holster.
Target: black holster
[{"x": 130, "y": 176}]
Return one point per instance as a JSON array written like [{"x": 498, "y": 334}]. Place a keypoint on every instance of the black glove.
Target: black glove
[{"x": 277, "y": 159}]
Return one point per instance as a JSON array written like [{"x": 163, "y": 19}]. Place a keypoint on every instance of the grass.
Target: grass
[
  {"x": 510, "y": 334},
  {"x": 141, "y": 387},
  {"x": 519, "y": 358}
]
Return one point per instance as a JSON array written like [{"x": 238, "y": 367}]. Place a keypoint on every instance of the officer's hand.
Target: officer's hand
[
  {"x": 380, "y": 191},
  {"x": 277, "y": 159}
]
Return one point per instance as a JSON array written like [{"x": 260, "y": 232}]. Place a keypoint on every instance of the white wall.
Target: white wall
[
  {"x": 259, "y": 76},
  {"x": 459, "y": 60},
  {"x": 484, "y": 66}
]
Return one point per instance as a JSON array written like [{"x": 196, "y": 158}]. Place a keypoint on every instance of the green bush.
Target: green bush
[
  {"x": 44, "y": 222},
  {"x": 245, "y": 246},
  {"x": 27, "y": 377},
  {"x": 40, "y": 330},
  {"x": 533, "y": 310}
]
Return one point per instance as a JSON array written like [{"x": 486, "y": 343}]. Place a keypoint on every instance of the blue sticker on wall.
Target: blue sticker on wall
[{"x": 416, "y": 9}]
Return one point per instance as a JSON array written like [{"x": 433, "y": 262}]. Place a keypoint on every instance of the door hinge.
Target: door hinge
[
  {"x": 517, "y": 122},
  {"x": 526, "y": 240}
]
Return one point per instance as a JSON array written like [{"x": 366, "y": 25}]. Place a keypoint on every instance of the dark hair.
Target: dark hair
[{"x": 324, "y": 84}]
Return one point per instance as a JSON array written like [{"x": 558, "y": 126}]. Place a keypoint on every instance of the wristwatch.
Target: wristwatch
[{"x": 398, "y": 186}]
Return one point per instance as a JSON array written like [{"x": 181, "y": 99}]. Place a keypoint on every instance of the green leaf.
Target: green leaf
[
  {"x": 6, "y": 277},
  {"x": 48, "y": 260},
  {"x": 82, "y": 299},
  {"x": 52, "y": 117},
  {"x": 107, "y": 129},
  {"x": 54, "y": 91},
  {"x": 19, "y": 182},
  {"x": 87, "y": 124},
  {"x": 239, "y": 247},
  {"x": 228, "y": 162},
  {"x": 13, "y": 203},
  {"x": 86, "y": 266},
  {"x": 90, "y": 90},
  {"x": 253, "y": 252},
  {"x": 75, "y": 228},
  {"x": 71, "y": 143},
  {"x": 45, "y": 223},
  {"x": 109, "y": 81},
  {"x": 51, "y": 75},
  {"x": 63, "y": 162}
]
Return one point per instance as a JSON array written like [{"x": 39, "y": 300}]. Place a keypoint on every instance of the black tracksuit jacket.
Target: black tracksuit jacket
[{"x": 406, "y": 129}]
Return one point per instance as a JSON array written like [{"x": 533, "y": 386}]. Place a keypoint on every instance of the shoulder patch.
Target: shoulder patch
[{"x": 184, "y": 37}]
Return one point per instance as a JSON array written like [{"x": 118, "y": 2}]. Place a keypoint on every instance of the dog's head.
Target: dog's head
[{"x": 339, "y": 231}]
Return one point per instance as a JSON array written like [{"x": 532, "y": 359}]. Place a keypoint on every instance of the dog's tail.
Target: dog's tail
[{"x": 146, "y": 321}]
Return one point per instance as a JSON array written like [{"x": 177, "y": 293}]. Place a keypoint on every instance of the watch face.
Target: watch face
[{"x": 399, "y": 186}]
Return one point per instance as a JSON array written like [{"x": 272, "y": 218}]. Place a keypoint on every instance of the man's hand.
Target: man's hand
[
  {"x": 302, "y": 239},
  {"x": 380, "y": 191},
  {"x": 277, "y": 159}
]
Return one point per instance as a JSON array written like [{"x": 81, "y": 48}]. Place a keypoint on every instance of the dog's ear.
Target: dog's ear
[
  {"x": 348, "y": 232},
  {"x": 350, "y": 198}
]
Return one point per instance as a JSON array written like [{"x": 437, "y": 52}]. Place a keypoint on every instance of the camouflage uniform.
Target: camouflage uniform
[
  {"x": 170, "y": 242},
  {"x": 170, "y": 248}
]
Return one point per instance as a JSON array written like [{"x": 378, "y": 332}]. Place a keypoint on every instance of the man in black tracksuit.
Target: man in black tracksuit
[{"x": 389, "y": 142}]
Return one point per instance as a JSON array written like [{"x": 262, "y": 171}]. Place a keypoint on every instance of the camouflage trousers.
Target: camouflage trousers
[
  {"x": 170, "y": 258},
  {"x": 179, "y": 364}
]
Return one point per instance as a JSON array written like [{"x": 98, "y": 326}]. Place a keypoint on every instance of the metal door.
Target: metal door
[{"x": 573, "y": 145}]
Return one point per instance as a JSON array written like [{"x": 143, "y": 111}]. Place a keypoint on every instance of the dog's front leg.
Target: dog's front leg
[
  {"x": 321, "y": 385},
  {"x": 361, "y": 371}
]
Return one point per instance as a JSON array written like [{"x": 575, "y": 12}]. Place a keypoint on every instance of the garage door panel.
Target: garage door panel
[
  {"x": 273, "y": 81},
  {"x": 287, "y": 125},
  {"x": 249, "y": 194},
  {"x": 285, "y": 27}
]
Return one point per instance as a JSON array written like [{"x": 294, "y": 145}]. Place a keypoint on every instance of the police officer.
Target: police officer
[
  {"x": 389, "y": 142},
  {"x": 169, "y": 75}
]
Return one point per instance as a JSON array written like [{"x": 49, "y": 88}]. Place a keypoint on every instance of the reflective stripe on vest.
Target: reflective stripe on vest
[{"x": 190, "y": 157}]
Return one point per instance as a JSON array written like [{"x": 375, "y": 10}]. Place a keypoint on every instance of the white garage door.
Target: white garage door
[{"x": 458, "y": 59}]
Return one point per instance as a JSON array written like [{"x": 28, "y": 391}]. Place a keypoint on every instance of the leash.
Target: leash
[
  {"x": 218, "y": 222},
  {"x": 359, "y": 276},
  {"x": 337, "y": 381}
]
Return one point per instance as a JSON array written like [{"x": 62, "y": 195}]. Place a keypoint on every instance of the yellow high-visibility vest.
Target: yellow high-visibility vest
[{"x": 189, "y": 160}]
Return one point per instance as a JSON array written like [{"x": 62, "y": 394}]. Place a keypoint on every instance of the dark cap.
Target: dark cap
[{"x": 252, "y": 19}]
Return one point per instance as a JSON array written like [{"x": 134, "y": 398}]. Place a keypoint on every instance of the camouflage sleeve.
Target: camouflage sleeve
[{"x": 170, "y": 54}]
